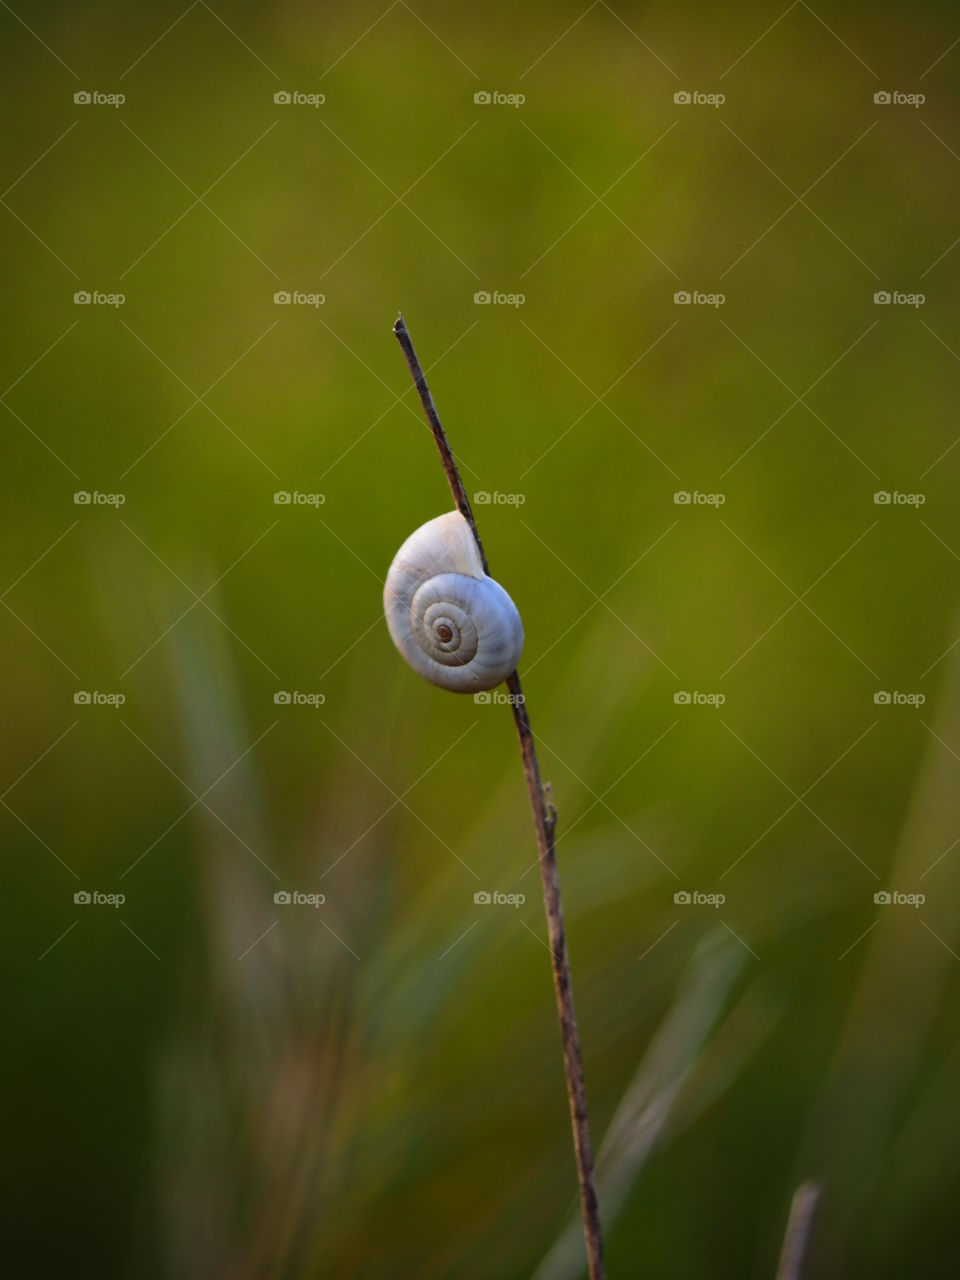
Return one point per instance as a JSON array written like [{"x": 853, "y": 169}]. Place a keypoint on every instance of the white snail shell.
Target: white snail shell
[{"x": 451, "y": 622}]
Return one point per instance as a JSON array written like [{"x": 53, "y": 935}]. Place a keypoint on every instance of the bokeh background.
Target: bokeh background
[{"x": 204, "y": 1082}]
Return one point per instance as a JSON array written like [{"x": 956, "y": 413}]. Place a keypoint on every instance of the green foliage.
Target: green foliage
[{"x": 203, "y": 1082}]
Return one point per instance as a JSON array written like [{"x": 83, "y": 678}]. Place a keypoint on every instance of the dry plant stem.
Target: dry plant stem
[
  {"x": 544, "y": 820},
  {"x": 796, "y": 1243}
]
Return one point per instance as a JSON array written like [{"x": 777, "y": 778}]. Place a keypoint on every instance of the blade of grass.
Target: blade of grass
[{"x": 544, "y": 821}]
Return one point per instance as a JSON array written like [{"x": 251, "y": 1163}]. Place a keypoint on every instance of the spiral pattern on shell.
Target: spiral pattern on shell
[{"x": 452, "y": 623}]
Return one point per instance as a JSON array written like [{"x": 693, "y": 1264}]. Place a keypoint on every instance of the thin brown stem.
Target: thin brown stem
[{"x": 544, "y": 821}]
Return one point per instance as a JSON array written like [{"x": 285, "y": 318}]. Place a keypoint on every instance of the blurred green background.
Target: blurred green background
[{"x": 202, "y": 1082}]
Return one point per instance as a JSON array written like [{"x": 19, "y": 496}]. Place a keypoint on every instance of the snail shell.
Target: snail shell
[{"x": 451, "y": 622}]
